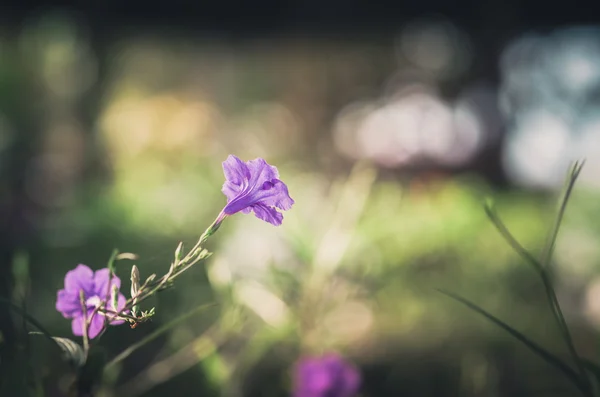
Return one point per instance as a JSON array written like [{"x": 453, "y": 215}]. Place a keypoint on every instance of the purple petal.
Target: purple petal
[
  {"x": 68, "y": 304},
  {"x": 101, "y": 287},
  {"x": 267, "y": 214},
  {"x": 235, "y": 170},
  {"x": 80, "y": 278},
  {"x": 345, "y": 377},
  {"x": 255, "y": 185},
  {"x": 237, "y": 176},
  {"x": 272, "y": 193},
  {"x": 261, "y": 171},
  {"x": 230, "y": 190},
  {"x": 96, "y": 325},
  {"x": 77, "y": 325},
  {"x": 350, "y": 381},
  {"x": 328, "y": 375},
  {"x": 313, "y": 377},
  {"x": 277, "y": 195}
]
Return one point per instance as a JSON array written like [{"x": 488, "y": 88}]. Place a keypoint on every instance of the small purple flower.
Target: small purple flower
[
  {"x": 96, "y": 291},
  {"x": 254, "y": 185},
  {"x": 325, "y": 376}
]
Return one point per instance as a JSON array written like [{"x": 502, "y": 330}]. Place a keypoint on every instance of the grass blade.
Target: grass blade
[
  {"x": 534, "y": 347},
  {"x": 67, "y": 346},
  {"x": 72, "y": 351},
  {"x": 27, "y": 317},
  {"x": 568, "y": 189},
  {"x": 542, "y": 265},
  {"x": 545, "y": 263},
  {"x": 515, "y": 245}
]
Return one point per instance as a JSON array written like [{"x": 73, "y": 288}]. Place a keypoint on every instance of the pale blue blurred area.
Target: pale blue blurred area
[{"x": 550, "y": 97}]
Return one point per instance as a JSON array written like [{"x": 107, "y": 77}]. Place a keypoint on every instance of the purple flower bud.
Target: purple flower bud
[
  {"x": 254, "y": 186},
  {"x": 96, "y": 293},
  {"x": 325, "y": 376}
]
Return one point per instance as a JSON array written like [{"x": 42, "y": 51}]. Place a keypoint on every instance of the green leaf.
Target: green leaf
[
  {"x": 534, "y": 347},
  {"x": 72, "y": 351},
  {"x": 490, "y": 210},
  {"x": 542, "y": 265}
]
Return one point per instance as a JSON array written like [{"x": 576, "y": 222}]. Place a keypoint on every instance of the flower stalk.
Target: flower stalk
[{"x": 249, "y": 186}]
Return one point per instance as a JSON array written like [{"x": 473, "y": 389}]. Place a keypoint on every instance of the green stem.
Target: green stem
[
  {"x": 207, "y": 233},
  {"x": 542, "y": 265},
  {"x": 86, "y": 341},
  {"x": 545, "y": 264},
  {"x": 549, "y": 290},
  {"x": 551, "y": 241}
]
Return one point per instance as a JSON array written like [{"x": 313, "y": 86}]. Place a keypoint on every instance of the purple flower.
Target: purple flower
[
  {"x": 325, "y": 376},
  {"x": 97, "y": 293},
  {"x": 254, "y": 185}
]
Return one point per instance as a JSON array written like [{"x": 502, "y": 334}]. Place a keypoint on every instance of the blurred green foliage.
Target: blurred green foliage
[{"x": 354, "y": 267}]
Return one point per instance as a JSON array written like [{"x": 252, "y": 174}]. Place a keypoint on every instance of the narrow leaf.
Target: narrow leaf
[
  {"x": 534, "y": 347},
  {"x": 27, "y": 317},
  {"x": 541, "y": 268},
  {"x": 67, "y": 346},
  {"x": 72, "y": 351},
  {"x": 568, "y": 189},
  {"x": 490, "y": 210}
]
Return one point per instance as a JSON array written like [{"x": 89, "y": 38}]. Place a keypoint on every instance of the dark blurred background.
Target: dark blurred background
[{"x": 391, "y": 122}]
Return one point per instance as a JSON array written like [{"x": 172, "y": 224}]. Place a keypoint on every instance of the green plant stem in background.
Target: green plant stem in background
[
  {"x": 545, "y": 263},
  {"x": 212, "y": 229},
  {"x": 26, "y": 316},
  {"x": 151, "y": 287},
  {"x": 195, "y": 255},
  {"x": 568, "y": 189},
  {"x": 547, "y": 282},
  {"x": 580, "y": 377},
  {"x": 537, "y": 349},
  {"x": 85, "y": 324}
]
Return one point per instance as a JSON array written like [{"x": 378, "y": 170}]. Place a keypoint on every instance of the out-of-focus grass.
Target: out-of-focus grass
[{"x": 353, "y": 267}]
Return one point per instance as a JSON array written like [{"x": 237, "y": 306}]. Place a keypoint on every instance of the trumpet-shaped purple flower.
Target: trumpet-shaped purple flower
[
  {"x": 325, "y": 376},
  {"x": 254, "y": 186},
  {"x": 96, "y": 292}
]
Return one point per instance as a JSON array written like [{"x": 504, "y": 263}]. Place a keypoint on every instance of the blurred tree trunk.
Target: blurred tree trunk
[{"x": 17, "y": 212}]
